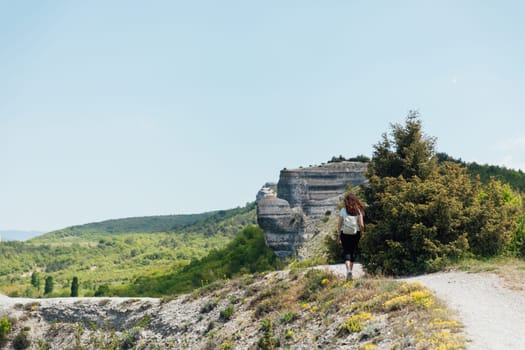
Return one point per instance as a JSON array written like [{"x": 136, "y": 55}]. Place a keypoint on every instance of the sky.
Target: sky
[{"x": 113, "y": 109}]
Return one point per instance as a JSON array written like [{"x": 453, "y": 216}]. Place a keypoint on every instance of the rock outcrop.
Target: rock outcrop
[
  {"x": 268, "y": 189},
  {"x": 304, "y": 196}
]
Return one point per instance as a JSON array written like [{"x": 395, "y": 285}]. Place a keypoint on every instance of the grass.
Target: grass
[{"x": 511, "y": 270}]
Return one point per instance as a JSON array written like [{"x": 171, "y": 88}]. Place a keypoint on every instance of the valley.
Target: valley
[{"x": 115, "y": 253}]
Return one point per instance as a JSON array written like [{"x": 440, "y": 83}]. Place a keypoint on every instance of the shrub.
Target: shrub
[
  {"x": 208, "y": 306},
  {"x": 144, "y": 322},
  {"x": 314, "y": 281},
  {"x": 334, "y": 249},
  {"x": 5, "y": 327},
  {"x": 227, "y": 345},
  {"x": 265, "y": 307},
  {"x": 130, "y": 338},
  {"x": 227, "y": 313},
  {"x": 21, "y": 341},
  {"x": 495, "y": 219},
  {"x": 518, "y": 244},
  {"x": 102, "y": 290},
  {"x": 355, "y": 323},
  {"x": 288, "y": 317},
  {"x": 267, "y": 341},
  {"x": 422, "y": 213}
]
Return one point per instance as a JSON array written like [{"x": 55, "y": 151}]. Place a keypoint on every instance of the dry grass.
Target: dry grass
[
  {"x": 318, "y": 308},
  {"x": 513, "y": 273},
  {"x": 511, "y": 270}
]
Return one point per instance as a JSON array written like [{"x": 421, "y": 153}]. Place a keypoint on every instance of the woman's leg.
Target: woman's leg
[
  {"x": 352, "y": 245},
  {"x": 347, "y": 256}
]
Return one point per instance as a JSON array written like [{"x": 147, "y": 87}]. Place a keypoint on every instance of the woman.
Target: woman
[{"x": 353, "y": 209}]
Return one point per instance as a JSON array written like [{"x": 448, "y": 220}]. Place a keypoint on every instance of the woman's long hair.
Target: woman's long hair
[{"x": 353, "y": 205}]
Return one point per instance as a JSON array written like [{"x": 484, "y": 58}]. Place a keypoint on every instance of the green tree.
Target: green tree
[
  {"x": 422, "y": 213},
  {"x": 49, "y": 285},
  {"x": 102, "y": 290},
  {"x": 35, "y": 280},
  {"x": 74, "y": 287},
  {"x": 407, "y": 153}
]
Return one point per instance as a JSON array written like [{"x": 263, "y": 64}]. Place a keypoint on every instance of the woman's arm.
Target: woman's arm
[
  {"x": 339, "y": 224},
  {"x": 361, "y": 223}
]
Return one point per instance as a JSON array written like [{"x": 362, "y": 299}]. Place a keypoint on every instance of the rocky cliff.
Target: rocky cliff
[{"x": 304, "y": 196}]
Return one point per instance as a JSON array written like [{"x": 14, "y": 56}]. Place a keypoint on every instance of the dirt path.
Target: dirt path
[{"x": 493, "y": 315}]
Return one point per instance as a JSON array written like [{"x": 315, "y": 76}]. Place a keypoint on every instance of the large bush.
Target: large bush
[{"x": 422, "y": 213}]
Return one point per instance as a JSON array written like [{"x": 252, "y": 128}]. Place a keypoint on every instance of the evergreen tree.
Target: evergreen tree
[
  {"x": 49, "y": 285},
  {"x": 74, "y": 287},
  {"x": 421, "y": 213},
  {"x": 35, "y": 280},
  {"x": 408, "y": 153}
]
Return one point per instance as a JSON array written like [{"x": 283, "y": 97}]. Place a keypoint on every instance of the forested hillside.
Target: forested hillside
[
  {"x": 515, "y": 178},
  {"x": 144, "y": 224},
  {"x": 246, "y": 254},
  {"x": 99, "y": 256}
]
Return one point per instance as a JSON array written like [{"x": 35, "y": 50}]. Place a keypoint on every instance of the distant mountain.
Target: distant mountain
[
  {"x": 143, "y": 224},
  {"x": 16, "y": 235}
]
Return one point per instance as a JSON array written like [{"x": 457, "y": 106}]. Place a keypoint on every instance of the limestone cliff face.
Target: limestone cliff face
[{"x": 304, "y": 196}]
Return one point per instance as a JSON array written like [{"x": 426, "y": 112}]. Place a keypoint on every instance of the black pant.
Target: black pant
[{"x": 350, "y": 243}]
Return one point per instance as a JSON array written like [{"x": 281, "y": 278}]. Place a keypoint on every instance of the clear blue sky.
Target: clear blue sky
[{"x": 113, "y": 109}]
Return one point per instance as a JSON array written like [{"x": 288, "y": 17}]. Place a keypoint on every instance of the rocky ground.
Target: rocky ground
[{"x": 231, "y": 316}]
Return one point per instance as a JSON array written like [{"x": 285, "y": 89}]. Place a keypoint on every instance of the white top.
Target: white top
[{"x": 343, "y": 213}]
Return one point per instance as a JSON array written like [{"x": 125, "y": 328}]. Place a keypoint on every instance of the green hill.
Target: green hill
[
  {"x": 515, "y": 178},
  {"x": 105, "y": 253},
  {"x": 144, "y": 224}
]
